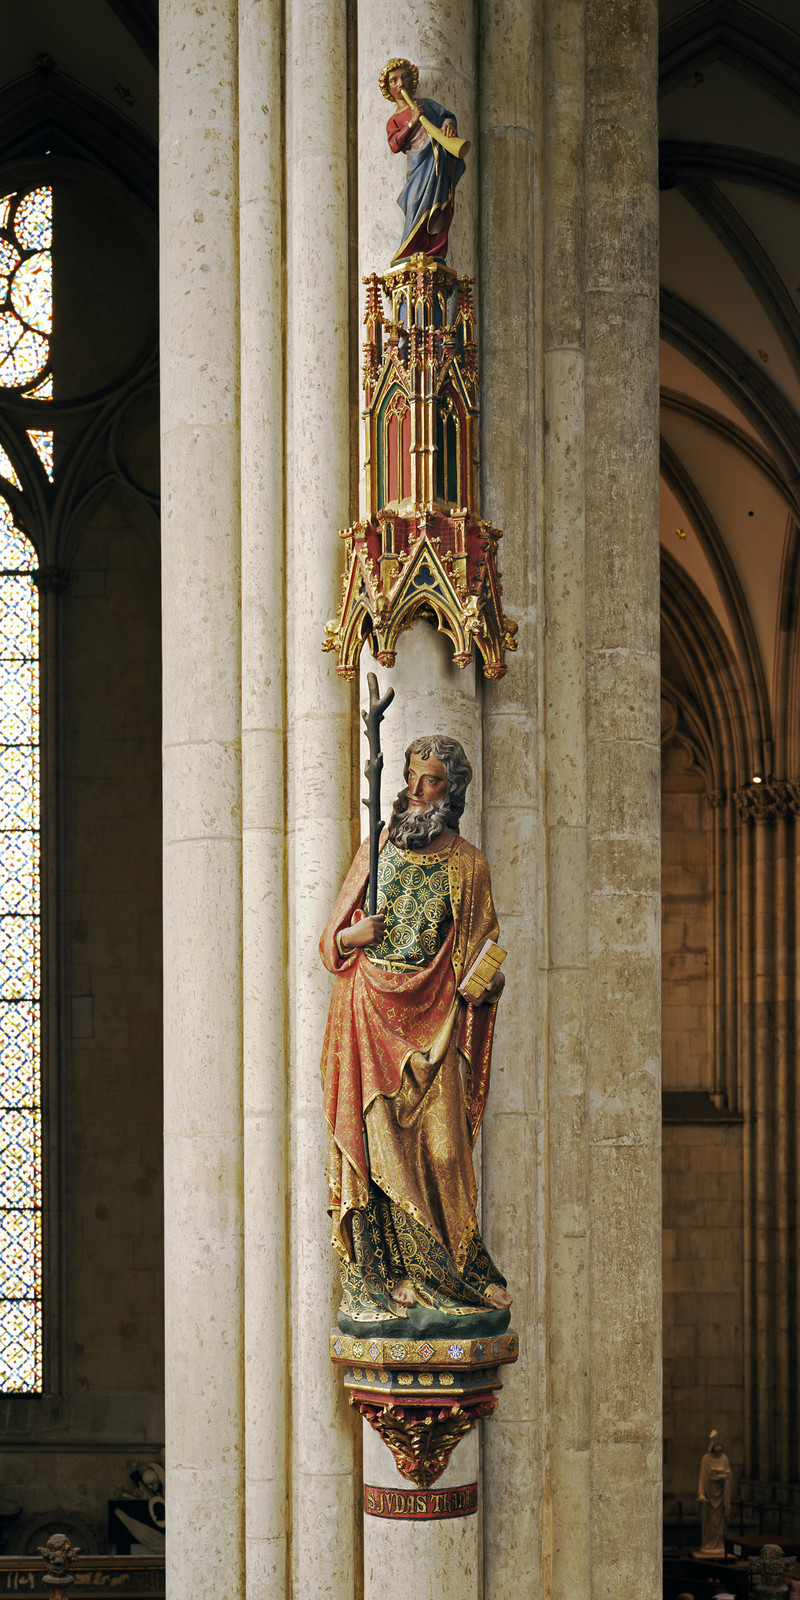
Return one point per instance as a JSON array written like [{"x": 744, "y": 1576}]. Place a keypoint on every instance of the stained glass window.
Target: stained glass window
[
  {"x": 43, "y": 390},
  {"x": 20, "y": 1099},
  {"x": 26, "y": 287},
  {"x": 7, "y": 468},
  {"x": 42, "y": 441},
  {"x": 26, "y": 321}
]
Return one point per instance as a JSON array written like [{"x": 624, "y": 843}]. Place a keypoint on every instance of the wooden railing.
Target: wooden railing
[
  {"x": 752, "y": 1515},
  {"x": 135, "y": 1577}
]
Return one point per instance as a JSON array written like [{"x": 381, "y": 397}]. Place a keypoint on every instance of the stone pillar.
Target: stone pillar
[
  {"x": 431, "y": 694},
  {"x": 514, "y": 1193},
  {"x": 783, "y": 961},
  {"x": 571, "y": 1217},
  {"x": 764, "y": 1096},
  {"x": 743, "y": 911},
  {"x": 764, "y": 917},
  {"x": 571, "y": 1132},
  {"x": 318, "y": 726},
  {"x": 202, "y": 797},
  {"x": 623, "y": 766},
  {"x": 582, "y": 1128},
  {"x": 266, "y": 1278}
]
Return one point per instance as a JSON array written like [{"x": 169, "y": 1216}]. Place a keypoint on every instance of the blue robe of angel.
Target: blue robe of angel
[{"x": 427, "y": 196}]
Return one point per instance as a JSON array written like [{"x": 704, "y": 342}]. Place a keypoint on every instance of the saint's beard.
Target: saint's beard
[{"x": 411, "y": 829}]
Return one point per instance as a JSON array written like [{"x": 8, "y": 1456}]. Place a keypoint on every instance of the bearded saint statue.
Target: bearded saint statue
[{"x": 405, "y": 1067}]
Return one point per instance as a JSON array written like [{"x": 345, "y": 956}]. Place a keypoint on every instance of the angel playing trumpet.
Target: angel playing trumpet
[{"x": 427, "y": 132}]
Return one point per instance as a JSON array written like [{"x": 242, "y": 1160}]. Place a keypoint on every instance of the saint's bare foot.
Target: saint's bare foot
[
  {"x": 405, "y": 1294},
  {"x": 499, "y": 1298}
]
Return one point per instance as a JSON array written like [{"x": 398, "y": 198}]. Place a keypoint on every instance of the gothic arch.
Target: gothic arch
[
  {"x": 738, "y": 34},
  {"x": 751, "y": 678}
]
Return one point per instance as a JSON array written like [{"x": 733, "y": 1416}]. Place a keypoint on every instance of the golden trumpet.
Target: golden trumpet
[{"x": 451, "y": 142}]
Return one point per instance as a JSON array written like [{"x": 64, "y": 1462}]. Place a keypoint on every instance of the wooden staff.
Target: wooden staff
[
  {"x": 372, "y": 771},
  {"x": 452, "y": 144}
]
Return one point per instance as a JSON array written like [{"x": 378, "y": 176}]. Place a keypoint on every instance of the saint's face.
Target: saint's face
[
  {"x": 399, "y": 79},
  {"x": 427, "y": 782}
]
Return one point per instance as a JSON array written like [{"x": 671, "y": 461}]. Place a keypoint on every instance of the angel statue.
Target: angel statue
[{"x": 428, "y": 135}]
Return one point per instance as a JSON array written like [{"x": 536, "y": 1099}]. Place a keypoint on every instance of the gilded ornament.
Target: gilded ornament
[
  {"x": 423, "y": 1441},
  {"x": 423, "y": 551}
]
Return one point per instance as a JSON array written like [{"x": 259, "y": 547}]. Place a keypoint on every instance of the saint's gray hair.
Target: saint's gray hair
[{"x": 457, "y": 769}]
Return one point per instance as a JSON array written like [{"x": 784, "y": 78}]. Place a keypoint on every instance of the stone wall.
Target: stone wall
[
  {"x": 703, "y": 1210},
  {"x": 112, "y": 942},
  {"x": 686, "y": 923},
  {"x": 703, "y": 1365}
]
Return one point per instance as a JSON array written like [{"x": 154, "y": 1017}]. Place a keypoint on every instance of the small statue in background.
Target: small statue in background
[
  {"x": 58, "y": 1553},
  {"x": 427, "y": 132},
  {"x": 714, "y": 1494},
  {"x": 771, "y": 1565}
]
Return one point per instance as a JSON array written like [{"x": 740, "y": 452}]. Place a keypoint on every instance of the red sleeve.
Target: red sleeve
[{"x": 398, "y": 132}]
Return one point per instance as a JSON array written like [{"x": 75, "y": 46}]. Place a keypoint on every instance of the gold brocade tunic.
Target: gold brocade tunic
[{"x": 414, "y": 895}]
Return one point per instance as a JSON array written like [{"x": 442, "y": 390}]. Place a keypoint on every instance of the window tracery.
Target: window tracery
[
  {"x": 26, "y": 306},
  {"x": 26, "y": 285}
]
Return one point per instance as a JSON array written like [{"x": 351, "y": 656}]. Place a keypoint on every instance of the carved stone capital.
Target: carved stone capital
[
  {"x": 776, "y": 800},
  {"x": 51, "y": 580},
  {"x": 422, "y": 1437}
]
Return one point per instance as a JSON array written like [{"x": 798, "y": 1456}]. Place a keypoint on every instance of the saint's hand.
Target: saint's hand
[
  {"x": 492, "y": 991},
  {"x": 448, "y": 126},
  {"x": 413, "y": 121},
  {"x": 369, "y": 930}
]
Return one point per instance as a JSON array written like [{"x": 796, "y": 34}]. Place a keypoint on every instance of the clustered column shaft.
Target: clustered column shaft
[
  {"x": 202, "y": 798},
  {"x": 259, "y": 291},
  {"x": 514, "y": 1193},
  {"x": 623, "y": 791},
  {"x": 264, "y": 876}
]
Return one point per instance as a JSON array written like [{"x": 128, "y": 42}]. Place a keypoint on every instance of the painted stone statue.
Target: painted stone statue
[
  {"x": 406, "y": 1066},
  {"x": 714, "y": 1494},
  {"x": 434, "y": 169}
]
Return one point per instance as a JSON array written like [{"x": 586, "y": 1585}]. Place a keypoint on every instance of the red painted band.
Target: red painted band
[{"x": 420, "y": 1505}]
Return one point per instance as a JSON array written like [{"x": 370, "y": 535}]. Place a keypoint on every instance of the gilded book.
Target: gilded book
[{"x": 488, "y": 961}]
